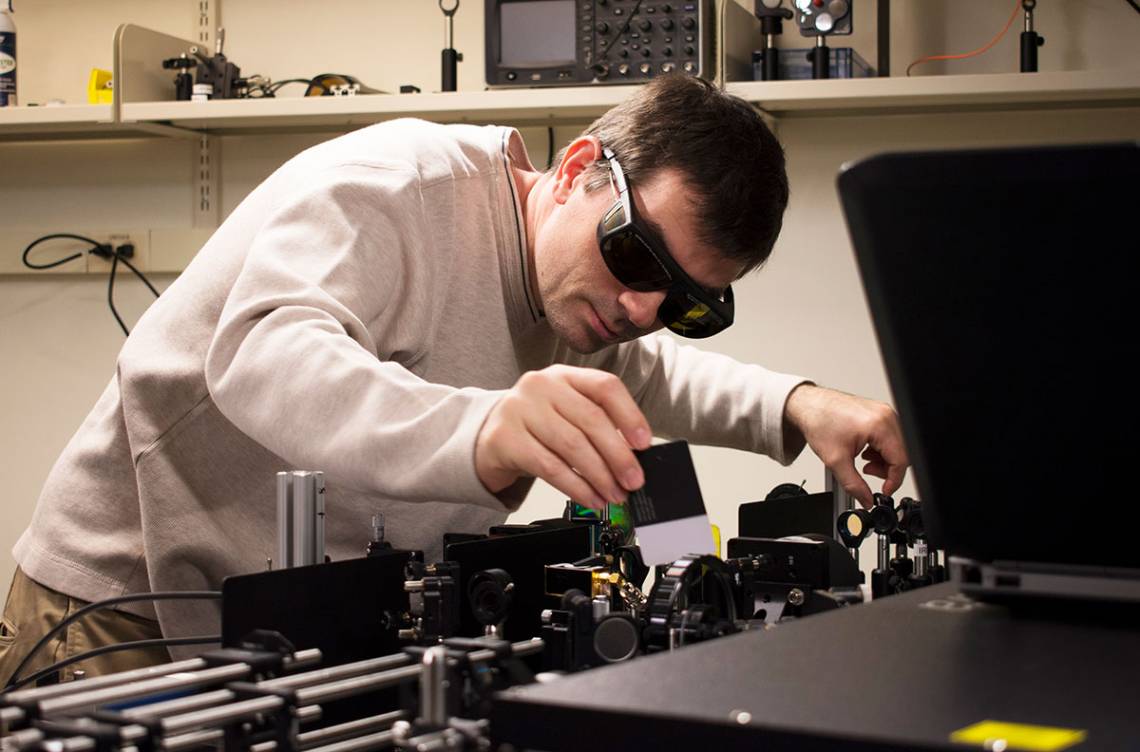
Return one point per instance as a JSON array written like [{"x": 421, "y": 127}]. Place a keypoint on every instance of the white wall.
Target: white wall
[{"x": 804, "y": 313}]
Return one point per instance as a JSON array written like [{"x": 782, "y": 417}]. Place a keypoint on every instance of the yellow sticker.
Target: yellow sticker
[{"x": 998, "y": 736}]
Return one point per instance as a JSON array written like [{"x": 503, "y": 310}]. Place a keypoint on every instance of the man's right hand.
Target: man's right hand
[{"x": 575, "y": 428}]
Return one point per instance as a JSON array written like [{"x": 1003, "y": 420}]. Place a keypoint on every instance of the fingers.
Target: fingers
[
  {"x": 551, "y": 468},
  {"x": 572, "y": 427},
  {"x": 844, "y": 470},
  {"x": 609, "y": 393},
  {"x": 574, "y": 445}
]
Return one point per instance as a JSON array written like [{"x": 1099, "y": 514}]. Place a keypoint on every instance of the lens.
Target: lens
[
  {"x": 688, "y": 317},
  {"x": 630, "y": 260}
]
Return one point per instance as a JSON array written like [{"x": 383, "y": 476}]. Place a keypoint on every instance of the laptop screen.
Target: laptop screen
[{"x": 1002, "y": 290}]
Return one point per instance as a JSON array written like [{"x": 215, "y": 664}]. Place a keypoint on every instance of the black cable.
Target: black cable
[
  {"x": 138, "y": 274},
  {"x": 134, "y": 645},
  {"x": 278, "y": 85},
  {"x": 549, "y": 147},
  {"x": 1133, "y": 4},
  {"x": 103, "y": 250},
  {"x": 96, "y": 246},
  {"x": 194, "y": 595},
  {"x": 111, "y": 295}
]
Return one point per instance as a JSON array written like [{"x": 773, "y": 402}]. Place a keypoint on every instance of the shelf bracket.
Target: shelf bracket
[
  {"x": 208, "y": 16},
  {"x": 207, "y": 168}
]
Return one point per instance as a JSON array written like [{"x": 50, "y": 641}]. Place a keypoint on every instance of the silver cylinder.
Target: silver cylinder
[
  {"x": 433, "y": 687},
  {"x": 284, "y": 520},
  {"x": 920, "y": 560},
  {"x": 884, "y": 552},
  {"x": 308, "y": 517}
]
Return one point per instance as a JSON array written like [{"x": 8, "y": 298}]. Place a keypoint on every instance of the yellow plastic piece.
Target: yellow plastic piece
[
  {"x": 999, "y": 736},
  {"x": 716, "y": 539},
  {"x": 99, "y": 87}
]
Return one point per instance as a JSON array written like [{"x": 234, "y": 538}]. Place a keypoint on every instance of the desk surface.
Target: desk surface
[{"x": 901, "y": 673}]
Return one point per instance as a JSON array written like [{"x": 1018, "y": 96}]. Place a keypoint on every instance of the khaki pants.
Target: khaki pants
[{"x": 33, "y": 609}]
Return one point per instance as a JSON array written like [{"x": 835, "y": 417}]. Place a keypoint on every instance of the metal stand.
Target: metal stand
[
  {"x": 300, "y": 518},
  {"x": 772, "y": 16},
  {"x": 820, "y": 58},
  {"x": 450, "y": 57},
  {"x": 1030, "y": 39}
]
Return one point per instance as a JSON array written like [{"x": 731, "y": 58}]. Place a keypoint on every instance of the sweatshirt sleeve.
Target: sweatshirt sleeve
[
  {"x": 706, "y": 397},
  {"x": 310, "y": 356}
]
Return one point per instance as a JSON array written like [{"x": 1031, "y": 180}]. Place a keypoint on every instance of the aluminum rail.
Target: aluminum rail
[
  {"x": 221, "y": 715},
  {"x": 382, "y": 740},
  {"x": 192, "y": 680},
  {"x": 357, "y": 685},
  {"x": 21, "y": 696},
  {"x": 300, "y": 659},
  {"x": 88, "y": 694},
  {"x": 333, "y": 673},
  {"x": 193, "y": 739},
  {"x": 340, "y": 732},
  {"x": 178, "y": 705}
]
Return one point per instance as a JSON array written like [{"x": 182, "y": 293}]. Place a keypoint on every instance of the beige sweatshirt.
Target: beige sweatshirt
[{"x": 359, "y": 313}]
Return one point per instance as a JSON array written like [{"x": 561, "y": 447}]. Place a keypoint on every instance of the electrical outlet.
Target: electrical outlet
[
  {"x": 139, "y": 238},
  {"x": 161, "y": 250},
  {"x": 14, "y": 240}
]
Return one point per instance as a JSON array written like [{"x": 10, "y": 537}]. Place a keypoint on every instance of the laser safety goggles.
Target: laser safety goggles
[{"x": 639, "y": 262}]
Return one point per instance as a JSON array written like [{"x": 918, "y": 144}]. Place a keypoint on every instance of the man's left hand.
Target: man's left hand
[{"x": 840, "y": 427}]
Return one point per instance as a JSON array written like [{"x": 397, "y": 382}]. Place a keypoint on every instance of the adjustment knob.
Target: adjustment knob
[
  {"x": 603, "y": 70},
  {"x": 690, "y": 50},
  {"x": 645, "y": 24},
  {"x": 667, "y": 24},
  {"x": 667, "y": 52},
  {"x": 624, "y": 69},
  {"x": 666, "y": 8},
  {"x": 689, "y": 22},
  {"x": 645, "y": 52},
  {"x": 602, "y": 27}
]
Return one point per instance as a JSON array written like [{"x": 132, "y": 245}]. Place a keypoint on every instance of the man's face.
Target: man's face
[{"x": 587, "y": 307}]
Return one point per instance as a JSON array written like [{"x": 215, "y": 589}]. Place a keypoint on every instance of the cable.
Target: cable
[
  {"x": 1134, "y": 5},
  {"x": 96, "y": 247},
  {"x": 197, "y": 595},
  {"x": 138, "y": 274},
  {"x": 103, "y": 250},
  {"x": 549, "y": 148},
  {"x": 111, "y": 295},
  {"x": 980, "y": 50},
  {"x": 135, "y": 645}
]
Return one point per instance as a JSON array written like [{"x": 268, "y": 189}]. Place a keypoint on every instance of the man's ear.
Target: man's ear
[{"x": 580, "y": 154}]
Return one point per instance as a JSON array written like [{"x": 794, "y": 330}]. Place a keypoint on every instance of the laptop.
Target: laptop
[{"x": 1002, "y": 288}]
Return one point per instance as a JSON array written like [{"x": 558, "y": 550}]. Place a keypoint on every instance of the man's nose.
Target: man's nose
[{"x": 641, "y": 307}]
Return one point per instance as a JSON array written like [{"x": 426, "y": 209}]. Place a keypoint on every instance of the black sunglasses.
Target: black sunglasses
[{"x": 641, "y": 264}]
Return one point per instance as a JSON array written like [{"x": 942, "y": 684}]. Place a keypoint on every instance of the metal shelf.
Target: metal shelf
[
  {"x": 140, "y": 85},
  {"x": 514, "y": 107},
  {"x": 934, "y": 94},
  {"x": 66, "y": 121}
]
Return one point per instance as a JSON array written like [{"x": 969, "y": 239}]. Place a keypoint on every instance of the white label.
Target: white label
[{"x": 7, "y": 63}]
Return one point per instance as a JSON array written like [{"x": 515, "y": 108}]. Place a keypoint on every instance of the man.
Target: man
[{"x": 416, "y": 311}]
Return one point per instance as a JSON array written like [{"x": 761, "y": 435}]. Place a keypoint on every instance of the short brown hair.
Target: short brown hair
[{"x": 719, "y": 143}]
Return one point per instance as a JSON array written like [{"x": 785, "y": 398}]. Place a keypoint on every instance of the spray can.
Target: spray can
[{"x": 7, "y": 57}]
